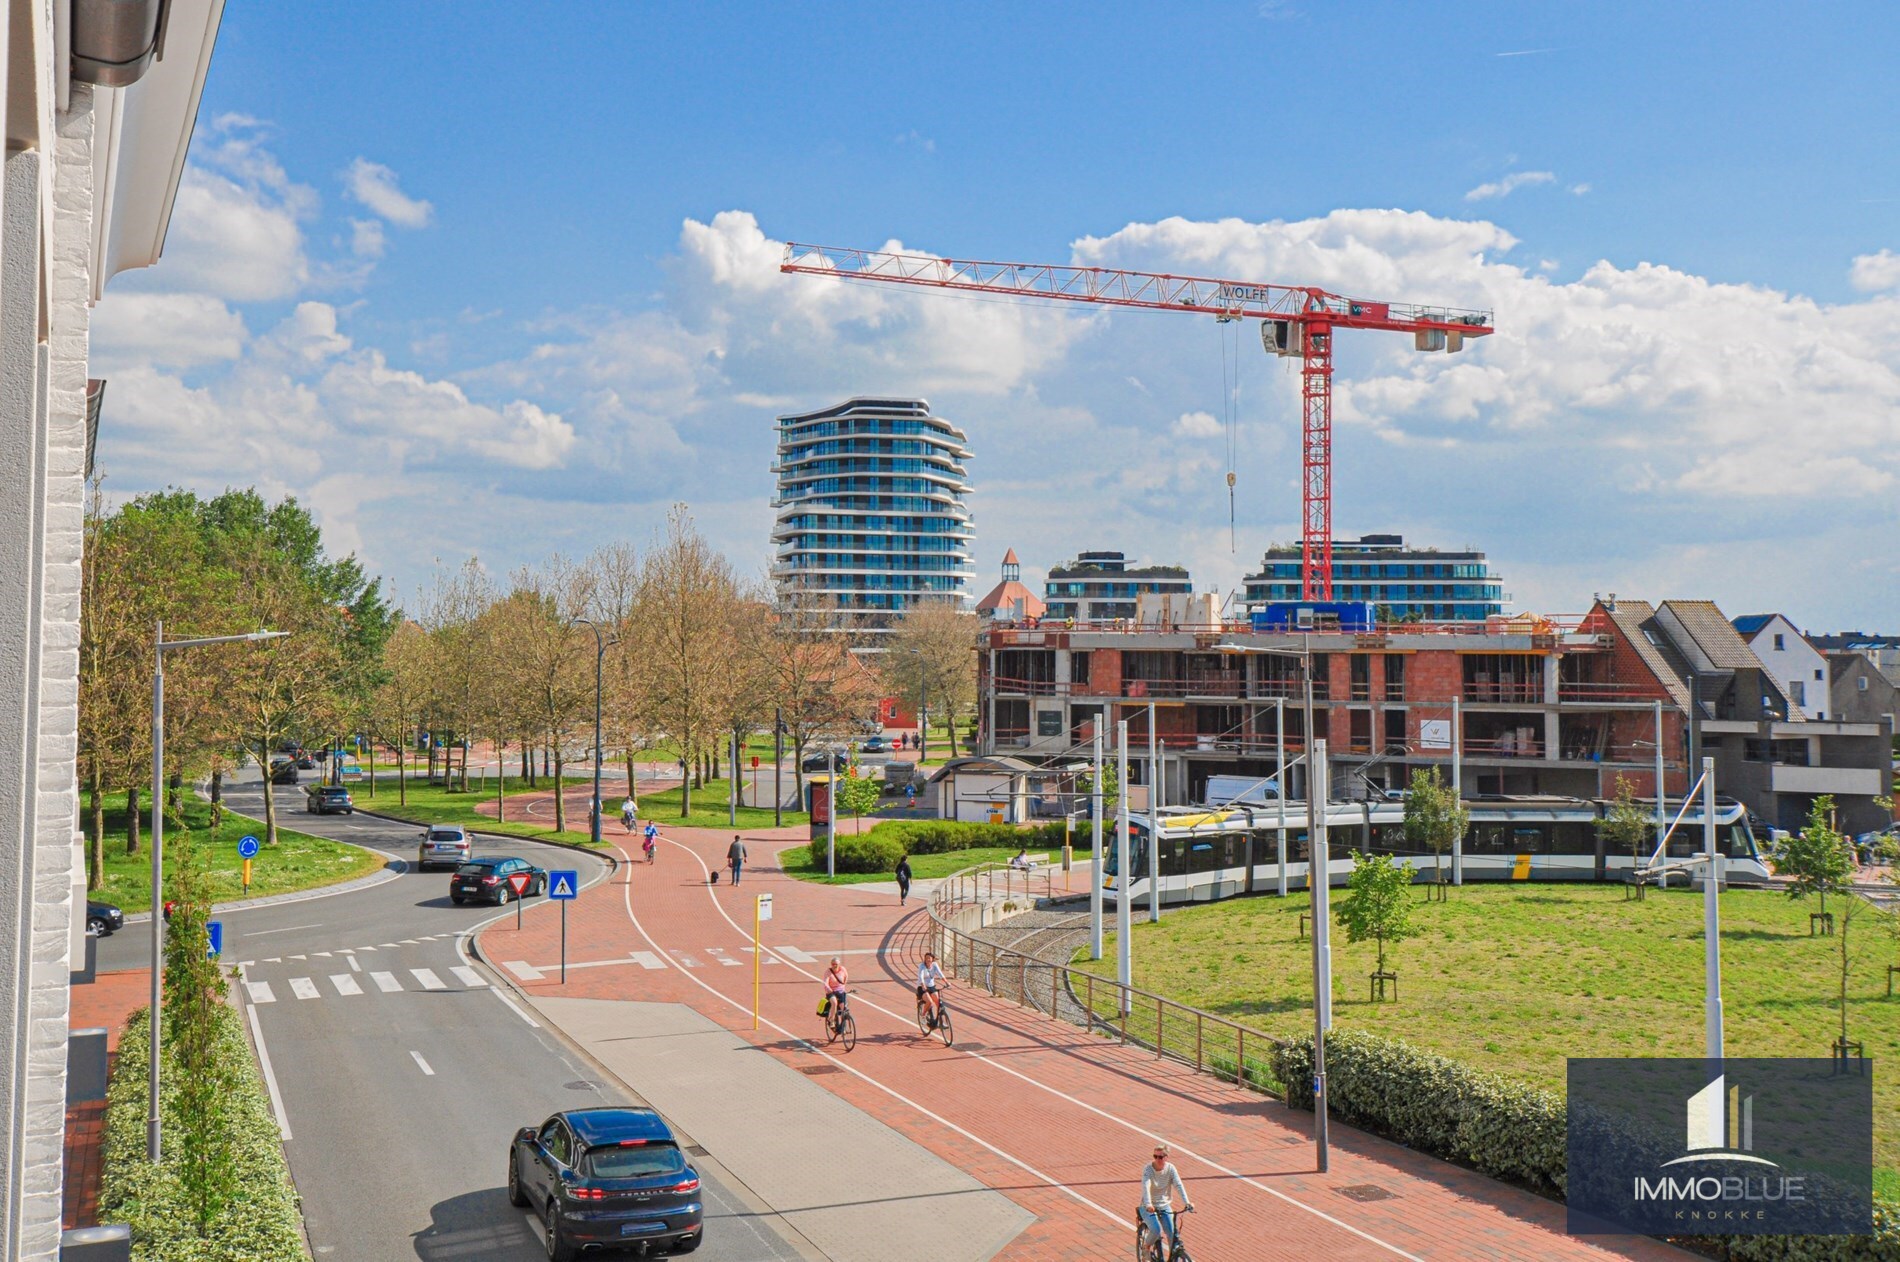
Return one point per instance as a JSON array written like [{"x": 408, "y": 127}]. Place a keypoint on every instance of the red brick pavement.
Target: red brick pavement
[
  {"x": 1058, "y": 1120},
  {"x": 105, "y": 1004}
]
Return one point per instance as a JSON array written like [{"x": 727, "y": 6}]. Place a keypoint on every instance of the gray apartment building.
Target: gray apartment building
[
  {"x": 1410, "y": 584},
  {"x": 1104, "y": 587}
]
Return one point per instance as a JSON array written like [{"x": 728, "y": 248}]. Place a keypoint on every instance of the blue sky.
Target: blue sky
[{"x": 513, "y": 262}]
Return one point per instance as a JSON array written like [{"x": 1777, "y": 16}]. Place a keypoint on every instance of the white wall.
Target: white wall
[{"x": 1795, "y": 662}]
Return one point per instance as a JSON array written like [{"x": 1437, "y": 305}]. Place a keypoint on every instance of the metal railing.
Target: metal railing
[{"x": 967, "y": 901}]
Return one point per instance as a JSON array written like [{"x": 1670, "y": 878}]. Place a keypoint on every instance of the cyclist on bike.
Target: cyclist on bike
[
  {"x": 930, "y": 980},
  {"x": 652, "y": 832},
  {"x": 838, "y": 995},
  {"x": 1159, "y": 1182}
]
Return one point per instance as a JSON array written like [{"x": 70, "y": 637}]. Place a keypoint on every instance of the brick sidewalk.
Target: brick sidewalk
[
  {"x": 105, "y": 1004},
  {"x": 1058, "y": 1120}
]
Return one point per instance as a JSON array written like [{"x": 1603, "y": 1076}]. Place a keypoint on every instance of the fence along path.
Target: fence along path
[{"x": 968, "y": 902}]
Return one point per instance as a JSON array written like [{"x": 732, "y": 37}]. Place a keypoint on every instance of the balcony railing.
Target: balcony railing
[
  {"x": 1506, "y": 692},
  {"x": 1608, "y": 691}
]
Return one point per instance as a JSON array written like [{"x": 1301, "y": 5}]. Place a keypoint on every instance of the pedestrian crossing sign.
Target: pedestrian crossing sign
[{"x": 564, "y": 884}]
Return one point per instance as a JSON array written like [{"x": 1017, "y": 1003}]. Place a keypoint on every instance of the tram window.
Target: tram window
[
  {"x": 1572, "y": 837},
  {"x": 1137, "y": 858},
  {"x": 1389, "y": 839},
  {"x": 1529, "y": 839},
  {"x": 1489, "y": 839},
  {"x": 1235, "y": 851},
  {"x": 1174, "y": 855},
  {"x": 1203, "y": 854},
  {"x": 1741, "y": 842}
]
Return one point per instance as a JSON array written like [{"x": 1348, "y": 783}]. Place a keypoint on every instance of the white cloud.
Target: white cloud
[
  {"x": 166, "y": 330},
  {"x": 1578, "y": 190},
  {"x": 366, "y": 238},
  {"x": 1197, "y": 425},
  {"x": 1872, "y": 273},
  {"x": 1510, "y": 184},
  {"x": 374, "y": 185},
  {"x": 916, "y": 139}
]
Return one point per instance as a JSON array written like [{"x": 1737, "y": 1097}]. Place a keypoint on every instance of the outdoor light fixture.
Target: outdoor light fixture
[{"x": 114, "y": 42}]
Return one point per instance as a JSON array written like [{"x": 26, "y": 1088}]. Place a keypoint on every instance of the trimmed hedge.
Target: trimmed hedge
[
  {"x": 881, "y": 848},
  {"x": 264, "y": 1225},
  {"x": 1498, "y": 1127}
]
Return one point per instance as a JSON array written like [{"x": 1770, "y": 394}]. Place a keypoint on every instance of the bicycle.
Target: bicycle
[
  {"x": 1149, "y": 1250},
  {"x": 839, "y": 1023},
  {"x": 940, "y": 1024}
]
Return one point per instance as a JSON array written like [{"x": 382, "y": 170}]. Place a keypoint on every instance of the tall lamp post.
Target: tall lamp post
[
  {"x": 600, "y": 656},
  {"x": 161, "y": 646}
]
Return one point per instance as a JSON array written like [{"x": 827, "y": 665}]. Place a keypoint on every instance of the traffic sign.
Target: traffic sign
[
  {"x": 765, "y": 907},
  {"x": 215, "y": 928},
  {"x": 247, "y": 847},
  {"x": 755, "y": 762},
  {"x": 518, "y": 882},
  {"x": 564, "y": 884}
]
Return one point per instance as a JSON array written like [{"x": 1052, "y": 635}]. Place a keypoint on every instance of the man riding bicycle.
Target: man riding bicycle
[
  {"x": 1159, "y": 1182},
  {"x": 652, "y": 832},
  {"x": 837, "y": 995},
  {"x": 930, "y": 980}
]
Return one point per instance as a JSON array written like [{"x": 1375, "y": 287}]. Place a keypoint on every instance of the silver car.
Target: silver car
[{"x": 443, "y": 845}]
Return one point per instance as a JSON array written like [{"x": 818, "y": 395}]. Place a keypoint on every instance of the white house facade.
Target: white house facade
[{"x": 1797, "y": 666}]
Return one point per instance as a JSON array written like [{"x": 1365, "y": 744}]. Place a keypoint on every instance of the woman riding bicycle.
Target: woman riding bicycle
[
  {"x": 930, "y": 980},
  {"x": 1159, "y": 1182},
  {"x": 837, "y": 996}
]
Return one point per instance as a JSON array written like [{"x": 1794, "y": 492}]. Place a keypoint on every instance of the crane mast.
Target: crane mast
[{"x": 1296, "y": 322}]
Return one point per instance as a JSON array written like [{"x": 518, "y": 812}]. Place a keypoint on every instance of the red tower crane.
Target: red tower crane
[{"x": 1296, "y": 322}]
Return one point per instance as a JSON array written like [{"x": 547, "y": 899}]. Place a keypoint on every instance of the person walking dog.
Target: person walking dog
[
  {"x": 903, "y": 879},
  {"x": 735, "y": 857}
]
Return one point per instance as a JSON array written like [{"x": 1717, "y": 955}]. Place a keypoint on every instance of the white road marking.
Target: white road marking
[
  {"x": 354, "y": 966},
  {"x": 303, "y": 988},
  {"x": 423, "y": 1064},
  {"x": 461, "y": 949},
  {"x": 270, "y": 1076},
  {"x": 408, "y": 942},
  {"x": 366, "y": 948},
  {"x": 246, "y": 963},
  {"x": 258, "y": 933},
  {"x": 795, "y": 955},
  {"x": 345, "y": 984},
  {"x": 522, "y": 969},
  {"x": 275, "y": 959},
  {"x": 385, "y": 982},
  {"x": 317, "y": 954},
  {"x": 686, "y": 961},
  {"x": 468, "y": 976},
  {"x": 293, "y": 957},
  {"x": 722, "y": 957},
  {"x": 646, "y": 959},
  {"x": 428, "y": 979},
  {"x": 260, "y": 992}
]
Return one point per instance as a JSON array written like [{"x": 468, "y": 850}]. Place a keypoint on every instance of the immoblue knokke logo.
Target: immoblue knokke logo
[
  {"x": 1721, "y": 1129},
  {"x": 1721, "y": 1125}
]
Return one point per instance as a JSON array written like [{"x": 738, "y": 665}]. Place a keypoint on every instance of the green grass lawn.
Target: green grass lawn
[
  {"x": 923, "y": 867},
  {"x": 1514, "y": 979},
  {"x": 440, "y": 804},
  {"x": 298, "y": 862}
]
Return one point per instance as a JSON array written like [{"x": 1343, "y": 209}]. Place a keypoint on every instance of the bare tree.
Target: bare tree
[
  {"x": 931, "y": 660},
  {"x": 687, "y": 594},
  {"x": 555, "y": 685},
  {"x": 461, "y": 659}
]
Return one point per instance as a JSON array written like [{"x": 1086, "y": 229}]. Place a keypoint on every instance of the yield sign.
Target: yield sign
[{"x": 518, "y": 882}]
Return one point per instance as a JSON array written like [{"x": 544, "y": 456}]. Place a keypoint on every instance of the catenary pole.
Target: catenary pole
[
  {"x": 1711, "y": 918},
  {"x": 1318, "y": 878},
  {"x": 1662, "y": 804},
  {"x": 1457, "y": 787},
  {"x": 1124, "y": 957},
  {"x": 778, "y": 762},
  {"x": 831, "y": 812},
  {"x": 1095, "y": 877},
  {"x": 1154, "y": 821},
  {"x": 1279, "y": 740}
]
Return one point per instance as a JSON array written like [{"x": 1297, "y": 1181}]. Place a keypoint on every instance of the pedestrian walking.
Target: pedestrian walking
[
  {"x": 735, "y": 857},
  {"x": 629, "y": 814},
  {"x": 903, "y": 879}
]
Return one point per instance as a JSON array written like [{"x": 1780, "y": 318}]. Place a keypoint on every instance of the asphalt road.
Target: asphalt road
[{"x": 403, "y": 1071}]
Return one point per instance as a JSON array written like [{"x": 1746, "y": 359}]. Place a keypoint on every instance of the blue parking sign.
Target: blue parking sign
[
  {"x": 215, "y": 928},
  {"x": 564, "y": 884},
  {"x": 247, "y": 847}
]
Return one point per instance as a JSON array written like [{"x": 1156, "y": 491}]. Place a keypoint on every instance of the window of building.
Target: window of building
[
  {"x": 1079, "y": 667},
  {"x": 1394, "y": 729},
  {"x": 1394, "y": 677},
  {"x": 1820, "y": 674},
  {"x": 1361, "y": 665},
  {"x": 1359, "y": 731},
  {"x": 1862, "y": 681},
  {"x": 1779, "y": 645},
  {"x": 1800, "y": 692}
]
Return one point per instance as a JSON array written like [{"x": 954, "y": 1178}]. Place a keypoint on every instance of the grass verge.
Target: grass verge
[
  {"x": 534, "y": 817},
  {"x": 1515, "y": 979},
  {"x": 298, "y": 861}
]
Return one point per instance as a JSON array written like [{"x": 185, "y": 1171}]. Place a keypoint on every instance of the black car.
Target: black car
[
  {"x": 103, "y": 918},
  {"x": 283, "y": 772},
  {"x": 606, "y": 1178},
  {"x": 330, "y": 799},
  {"x": 820, "y": 759},
  {"x": 486, "y": 879},
  {"x": 306, "y": 763}
]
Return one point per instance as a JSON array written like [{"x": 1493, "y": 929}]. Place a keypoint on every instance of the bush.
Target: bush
[
  {"x": 865, "y": 853},
  {"x": 941, "y": 836},
  {"x": 263, "y": 1225}
]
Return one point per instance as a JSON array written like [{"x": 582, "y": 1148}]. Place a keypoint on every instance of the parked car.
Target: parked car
[
  {"x": 613, "y": 1178},
  {"x": 818, "y": 759},
  {"x": 305, "y": 762},
  {"x": 486, "y": 879},
  {"x": 874, "y": 745},
  {"x": 102, "y": 919},
  {"x": 283, "y": 771},
  {"x": 329, "y": 799},
  {"x": 442, "y": 845}
]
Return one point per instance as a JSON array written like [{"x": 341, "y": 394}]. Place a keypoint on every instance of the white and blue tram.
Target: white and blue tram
[{"x": 1224, "y": 852}]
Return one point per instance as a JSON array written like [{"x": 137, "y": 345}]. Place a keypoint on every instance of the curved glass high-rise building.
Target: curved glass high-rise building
[{"x": 872, "y": 511}]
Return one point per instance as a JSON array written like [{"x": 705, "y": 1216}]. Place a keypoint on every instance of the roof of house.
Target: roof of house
[
  {"x": 1750, "y": 623},
  {"x": 1012, "y": 595},
  {"x": 1636, "y": 620},
  {"x": 1713, "y": 633},
  {"x": 1009, "y": 558}
]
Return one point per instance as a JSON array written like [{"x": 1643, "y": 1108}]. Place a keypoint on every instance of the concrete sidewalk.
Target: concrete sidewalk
[{"x": 854, "y": 1187}]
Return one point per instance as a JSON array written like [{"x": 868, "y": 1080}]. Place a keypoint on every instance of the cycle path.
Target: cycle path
[{"x": 1057, "y": 1120}]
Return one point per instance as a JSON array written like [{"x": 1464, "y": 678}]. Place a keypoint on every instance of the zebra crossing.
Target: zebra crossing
[{"x": 346, "y": 985}]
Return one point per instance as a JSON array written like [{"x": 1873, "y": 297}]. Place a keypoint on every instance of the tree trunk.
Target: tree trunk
[
  {"x": 633, "y": 784},
  {"x": 527, "y": 763},
  {"x": 560, "y": 795},
  {"x": 270, "y": 799},
  {"x": 464, "y": 743},
  {"x": 686, "y": 785},
  {"x": 372, "y": 769},
  {"x": 96, "y": 810},
  {"x": 1844, "y": 969},
  {"x": 132, "y": 820},
  {"x": 402, "y": 784},
  {"x": 501, "y": 785}
]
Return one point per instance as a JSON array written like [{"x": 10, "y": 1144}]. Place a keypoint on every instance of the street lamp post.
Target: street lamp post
[
  {"x": 600, "y": 656},
  {"x": 160, "y": 646},
  {"x": 1320, "y": 879}
]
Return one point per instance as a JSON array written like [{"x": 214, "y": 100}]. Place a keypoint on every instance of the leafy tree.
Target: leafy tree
[
  {"x": 932, "y": 656},
  {"x": 1816, "y": 860},
  {"x": 1434, "y": 817},
  {"x": 810, "y": 676},
  {"x": 1111, "y": 786},
  {"x": 1376, "y": 905},
  {"x": 396, "y": 708},
  {"x": 857, "y": 793},
  {"x": 1627, "y": 825}
]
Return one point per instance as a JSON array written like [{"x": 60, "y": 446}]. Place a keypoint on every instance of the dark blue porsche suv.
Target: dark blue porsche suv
[{"x": 606, "y": 1178}]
